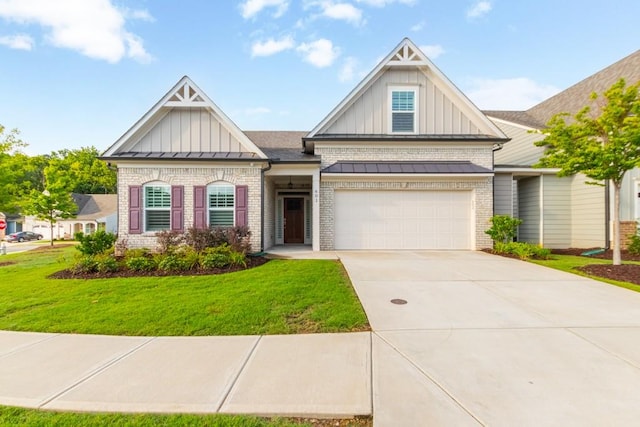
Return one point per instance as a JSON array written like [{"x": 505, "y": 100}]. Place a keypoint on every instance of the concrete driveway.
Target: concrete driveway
[{"x": 486, "y": 340}]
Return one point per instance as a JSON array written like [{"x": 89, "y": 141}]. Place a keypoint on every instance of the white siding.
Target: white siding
[
  {"x": 587, "y": 214},
  {"x": 556, "y": 211},
  {"x": 437, "y": 113},
  {"x": 520, "y": 150},
  {"x": 188, "y": 130},
  {"x": 628, "y": 196},
  {"x": 529, "y": 206},
  {"x": 503, "y": 194}
]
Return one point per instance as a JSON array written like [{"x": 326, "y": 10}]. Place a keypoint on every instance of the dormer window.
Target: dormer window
[{"x": 403, "y": 110}]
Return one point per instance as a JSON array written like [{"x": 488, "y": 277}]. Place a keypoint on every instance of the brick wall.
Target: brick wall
[
  {"x": 188, "y": 177},
  {"x": 627, "y": 229}
]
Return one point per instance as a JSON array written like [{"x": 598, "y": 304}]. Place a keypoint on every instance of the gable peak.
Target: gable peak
[{"x": 186, "y": 94}]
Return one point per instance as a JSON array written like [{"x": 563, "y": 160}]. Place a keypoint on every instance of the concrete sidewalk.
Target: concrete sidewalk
[{"x": 324, "y": 375}]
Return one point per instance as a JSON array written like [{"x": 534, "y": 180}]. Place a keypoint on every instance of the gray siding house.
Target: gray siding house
[{"x": 405, "y": 161}]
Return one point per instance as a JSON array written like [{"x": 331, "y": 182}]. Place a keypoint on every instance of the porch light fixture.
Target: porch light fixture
[{"x": 290, "y": 184}]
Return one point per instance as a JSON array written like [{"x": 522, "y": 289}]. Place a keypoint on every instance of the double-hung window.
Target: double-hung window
[
  {"x": 221, "y": 204},
  {"x": 403, "y": 110},
  {"x": 157, "y": 207}
]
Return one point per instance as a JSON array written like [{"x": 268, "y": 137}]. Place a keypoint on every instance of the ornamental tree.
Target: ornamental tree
[{"x": 602, "y": 141}]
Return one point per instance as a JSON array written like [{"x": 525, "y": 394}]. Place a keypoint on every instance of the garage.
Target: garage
[{"x": 403, "y": 219}]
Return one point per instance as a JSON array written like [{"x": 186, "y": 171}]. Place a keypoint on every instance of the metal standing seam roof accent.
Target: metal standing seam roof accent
[
  {"x": 425, "y": 167},
  {"x": 186, "y": 156}
]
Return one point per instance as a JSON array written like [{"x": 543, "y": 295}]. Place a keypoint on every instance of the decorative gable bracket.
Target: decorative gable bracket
[
  {"x": 186, "y": 96},
  {"x": 406, "y": 56}
]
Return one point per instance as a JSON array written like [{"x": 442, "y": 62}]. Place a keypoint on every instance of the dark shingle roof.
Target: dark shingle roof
[
  {"x": 276, "y": 139},
  {"x": 460, "y": 167},
  {"x": 94, "y": 206},
  {"x": 571, "y": 100}
]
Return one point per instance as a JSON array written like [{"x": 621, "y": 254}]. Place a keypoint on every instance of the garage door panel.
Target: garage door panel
[{"x": 402, "y": 219}]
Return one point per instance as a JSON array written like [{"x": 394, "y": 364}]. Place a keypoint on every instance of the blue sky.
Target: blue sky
[{"x": 76, "y": 73}]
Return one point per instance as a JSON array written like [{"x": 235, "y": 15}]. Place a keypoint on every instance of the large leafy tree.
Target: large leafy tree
[
  {"x": 602, "y": 141},
  {"x": 13, "y": 164},
  {"x": 86, "y": 172}
]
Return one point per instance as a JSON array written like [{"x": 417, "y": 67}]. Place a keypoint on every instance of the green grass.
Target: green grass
[
  {"x": 569, "y": 263},
  {"x": 280, "y": 297},
  {"x": 10, "y": 416}
]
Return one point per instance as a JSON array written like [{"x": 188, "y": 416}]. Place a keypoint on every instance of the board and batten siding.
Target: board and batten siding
[
  {"x": 184, "y": 130},
  {"x": 368, "y": 114},
  {"x": 629, "y": 196},
  {"x": 521, "y": 149},
  {"x": 556, "y": 212},
  {"x": 587, "y": 213},
  {"x": 503, "y": 194},
  {"x": 529, "y": 204}
]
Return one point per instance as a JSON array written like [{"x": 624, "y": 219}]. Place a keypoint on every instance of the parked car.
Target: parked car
[{"x": 23, "y": 236}]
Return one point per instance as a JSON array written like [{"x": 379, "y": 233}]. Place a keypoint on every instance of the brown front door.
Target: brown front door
[{"x": 293, "y": 220}]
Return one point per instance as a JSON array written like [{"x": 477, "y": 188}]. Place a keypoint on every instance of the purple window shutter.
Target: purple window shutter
[
  {"x": 135, "y": 209},
  {"x": 200, "y": 206},
  {"x": 177, "y": 208},
  {"x": 242, "y": 203}
]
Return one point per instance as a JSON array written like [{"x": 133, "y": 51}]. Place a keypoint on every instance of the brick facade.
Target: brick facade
[
  {"x": 627, "y": 229},
  {"x": 482, "y": 187},
  {"x": 188, "y": 177}
]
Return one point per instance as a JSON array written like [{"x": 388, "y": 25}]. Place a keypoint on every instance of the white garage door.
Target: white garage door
[{"x": 403, "y": 220}]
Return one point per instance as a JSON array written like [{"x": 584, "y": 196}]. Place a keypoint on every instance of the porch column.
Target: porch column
[{"x": 315, "y": 209}]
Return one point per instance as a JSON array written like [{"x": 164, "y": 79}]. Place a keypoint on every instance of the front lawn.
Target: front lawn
[
  {"x": 280, "y": 297},
  {"x": 10, "y": 416},
  {"x": 570, "y": 263}
]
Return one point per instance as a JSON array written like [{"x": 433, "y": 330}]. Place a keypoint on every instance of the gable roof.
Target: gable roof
[
  {"x": 184, "y": 94},
  {"x": 282, "y": 146},
  {"x": 572, "y": 99},
  {"x": 95, "y": 206},
  {"x": 406, "y": 54}
]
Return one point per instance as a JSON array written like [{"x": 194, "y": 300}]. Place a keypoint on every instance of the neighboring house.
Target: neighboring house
[
  {"x": 14, "y": 224},
  {"x": 95, "y": 212},
  {"x": 405, "y": 161},
  {"x": 561, "y": 212}
]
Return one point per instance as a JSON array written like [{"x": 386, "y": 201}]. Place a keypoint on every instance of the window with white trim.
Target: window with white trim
[
  {"x": 221, "y": 205},
  {"x": 403, "y": 110},
  {"x": 157, "y": 207}
]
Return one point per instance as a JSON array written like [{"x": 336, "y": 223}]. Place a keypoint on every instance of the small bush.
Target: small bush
[
  {"x": 168, "y": 241},
  {"x": 238, "y": 238},
  {"x": 199, "y": 238},
  {"x": 172, "y": 262},
  {"x": 503, "y": 228},
  {"x": 137, "y": 253},
  {"x": 96, "y": 243},
  {"x": 238, "y": 258},
  {"x": 106, "y": 263},
  {"x": 141, "y": 263},
  {"x": 217, "y": 257},
  {"x": 85, "y": 264},
  {"x": 522, "y": 250},
  {"x": 634, "y": 245},
  {"x": 189, "y": 256},
  {"x": 541, "y": 253}
]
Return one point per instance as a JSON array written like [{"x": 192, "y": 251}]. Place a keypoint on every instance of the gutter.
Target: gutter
[{"x": 607, "y": 215}]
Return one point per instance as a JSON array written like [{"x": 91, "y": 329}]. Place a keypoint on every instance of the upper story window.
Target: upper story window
[
  {"x": 221, "y": 204},
  {"x": 403, "y": 110},
  {"x": 157, "y": 207}
]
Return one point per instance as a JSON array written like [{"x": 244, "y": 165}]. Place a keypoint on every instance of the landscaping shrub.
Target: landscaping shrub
[
  {"x": 189, "y": 256},
  {"x": 106, "y": 263},
  {"x": 522, "y": 250},
  {"x": 238, "y": 258},
  {"x": 238, "y": 238},
  {"x": 141, "y": 263},
  {"x": 85, "y": 264},
  {"x": 634, "y": 245},
  {"x": 169, "y": 240},
  {"x": 503, "y": 228},
  {"x": 217, "y": 257},
  {"x": 171, "y": 262},
  {"x": 199, "y": 238},
  {"x": 93, "y": 244}
]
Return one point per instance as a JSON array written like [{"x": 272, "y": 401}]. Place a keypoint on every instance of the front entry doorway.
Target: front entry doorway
[{"x": 293, "y": 220}]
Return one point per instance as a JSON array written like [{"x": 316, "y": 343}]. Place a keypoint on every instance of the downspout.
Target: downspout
[
  {"x": 262, "y": 190},
  {"x": 607, "y": 215}
]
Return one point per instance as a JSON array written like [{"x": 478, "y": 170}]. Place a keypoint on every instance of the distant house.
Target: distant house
[
  {"x": 560, "y": 212},
  {"x": 14, "y": 224},
  {"x": 95, "y": 212}
]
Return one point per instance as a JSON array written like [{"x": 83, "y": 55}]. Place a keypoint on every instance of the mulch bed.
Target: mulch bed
[
  {"x": 252, "y": 262},
  {"x": 623, "y": 273},
  {"x": 5, "y": 263}
]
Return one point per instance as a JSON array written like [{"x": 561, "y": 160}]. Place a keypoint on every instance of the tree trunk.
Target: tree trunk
[
  {"x": 617, "y": 258},
  {"x": 51, "y": 230}
]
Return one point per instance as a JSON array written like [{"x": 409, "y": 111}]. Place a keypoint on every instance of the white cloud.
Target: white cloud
[
  {"x": 342, "y": 11},
  {"x": 479, "y": 9},
  {"x": 383, "y": 3},
  {"x": 18, "y": 41},
  {"x": 320, "y": 53},
  {"x": 95, "y": 28},
  {"x": 348, "y": 70},
  {"x": 508, "y": 94},
  {"x": 432, "y": 50},
  {"x": 271, "y": 46},
  {"x": 251, "y": 8},
  {"x": 417, "y": 27}
]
